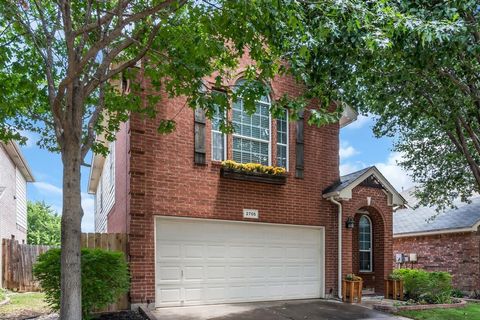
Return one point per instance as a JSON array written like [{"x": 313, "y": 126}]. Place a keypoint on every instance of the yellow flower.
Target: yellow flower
[{"x": 253, "y": 167}]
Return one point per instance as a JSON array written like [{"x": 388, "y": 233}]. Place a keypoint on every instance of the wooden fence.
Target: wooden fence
[
  {"x": 17, "y": 265},
  {"x": 18, "y": 260}
]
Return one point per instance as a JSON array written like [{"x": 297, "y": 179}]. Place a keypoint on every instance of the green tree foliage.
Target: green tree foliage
[
  {"x": 415, "y": 65},
  {"x": 62, "y": 63},
  {"x": 425, "y": 91},
  {"x": 44, "y": 224},
  {"x": 105, "y": 277}
]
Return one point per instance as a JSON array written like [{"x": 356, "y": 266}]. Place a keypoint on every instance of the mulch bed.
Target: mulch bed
[
  {"x": 122, "y": 315},
  {"x": 394, "y": 309}
]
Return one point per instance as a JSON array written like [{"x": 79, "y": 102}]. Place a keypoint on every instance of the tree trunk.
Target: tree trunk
[{"x": 71, "y": 289}]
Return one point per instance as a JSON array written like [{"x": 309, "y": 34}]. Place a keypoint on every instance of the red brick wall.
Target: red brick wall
[
  {"x": 381, "y": 216},
  {"x": 457, "y": 253},
  {"x": 165, "y": 181}
]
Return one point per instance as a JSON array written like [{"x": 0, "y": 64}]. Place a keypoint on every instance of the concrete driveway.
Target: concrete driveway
[{"x": 278, "y": 310}]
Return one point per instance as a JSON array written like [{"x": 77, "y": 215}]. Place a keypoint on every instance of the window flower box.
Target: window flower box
[
  {"x": 352, "y": 287},
  {"x": 253, "y": 172}
]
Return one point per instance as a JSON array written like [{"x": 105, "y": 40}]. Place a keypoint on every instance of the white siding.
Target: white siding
[
  {"x": 105, "y": 195},
  {"x": 21, "y": 198},
  {"x": 11, "y": 214}
]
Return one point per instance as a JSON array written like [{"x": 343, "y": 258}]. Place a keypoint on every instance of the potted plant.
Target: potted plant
[
  {"x": 253, "y": 172},
  {"x": 352, "y": 288},
  {"x": 394, "y": 287}
]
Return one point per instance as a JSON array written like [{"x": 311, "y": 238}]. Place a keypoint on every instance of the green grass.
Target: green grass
[
  {"x": 470, "y": 312},
  {"x": 31, "y": 303},
  {"x": 3, "y": 295}
]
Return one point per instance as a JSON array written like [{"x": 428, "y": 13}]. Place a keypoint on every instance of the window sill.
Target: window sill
[
  {"x": 216, "y": 163},
  {"x": 366, "y": 272},
  {"x": 253, "y": 176}
]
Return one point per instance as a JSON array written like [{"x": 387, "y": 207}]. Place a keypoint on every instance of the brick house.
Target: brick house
[
  {"x": 446, "y": 241},
  {"x": 197, "y": 236}
]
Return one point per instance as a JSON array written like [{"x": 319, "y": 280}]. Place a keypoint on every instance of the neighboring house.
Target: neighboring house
[
  {"x": 445, "y": 241},
  {"x": 14, "y": 175},
  {"x": 197, "y": 236}
]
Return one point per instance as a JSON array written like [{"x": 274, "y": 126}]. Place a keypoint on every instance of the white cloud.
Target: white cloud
[
  {"x": 48, "y": 188},
  {"x": 360, "y": 122},
  {"x": 347, "y": 151},
  {"x": 398, "y": 177},
  {"x": 350, "y": 167}
]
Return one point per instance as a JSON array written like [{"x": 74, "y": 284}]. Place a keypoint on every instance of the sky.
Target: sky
[{"x": 358, "y": 149}]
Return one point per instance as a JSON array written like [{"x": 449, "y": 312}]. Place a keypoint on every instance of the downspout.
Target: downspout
[{"x": 340, "y": 225}]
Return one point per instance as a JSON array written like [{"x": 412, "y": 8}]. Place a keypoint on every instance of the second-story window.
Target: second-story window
[
  {"x": 219, "y": 139},
  {"x": 251, "y": 140},
  {"x": 282, "y": 141}
]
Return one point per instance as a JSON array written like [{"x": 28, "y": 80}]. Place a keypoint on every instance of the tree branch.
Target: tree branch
[{"x": 93, "y": 122}]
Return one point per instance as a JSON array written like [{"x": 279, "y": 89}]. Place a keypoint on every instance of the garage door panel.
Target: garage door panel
[
  {"x": 193, "y": 251},
  {"x": 169, "y": 274},
  {"x": 205, "y": 262},
  {"x": 168, "y": 251},
  {"x": 170, "y": 296}
]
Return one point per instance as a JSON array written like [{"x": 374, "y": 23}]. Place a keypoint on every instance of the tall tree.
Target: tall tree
[
  {"x": 425, "y": 89},
  {"x": 413, "y": 64},
  {"x": 44, "y": 224},
  {"x": 60, "y": 62}
]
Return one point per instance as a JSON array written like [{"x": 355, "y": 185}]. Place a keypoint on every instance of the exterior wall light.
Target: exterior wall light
[{"x": 350, "y": 223}]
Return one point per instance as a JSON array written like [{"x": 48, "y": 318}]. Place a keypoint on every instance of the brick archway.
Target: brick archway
[
  {"x": 373, "y": 279},
  {"x": 374, "y": 203}
]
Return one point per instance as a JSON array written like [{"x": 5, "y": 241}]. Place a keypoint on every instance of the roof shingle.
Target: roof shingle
[{"x": 427, "y": 219}]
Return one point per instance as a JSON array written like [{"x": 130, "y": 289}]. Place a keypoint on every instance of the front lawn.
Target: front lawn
[
  {"x": 24, "y": 305},
  {"x": 470, "y": 312}
]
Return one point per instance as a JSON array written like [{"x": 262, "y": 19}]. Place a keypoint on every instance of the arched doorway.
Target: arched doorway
[{"x": 368, "y": 246}]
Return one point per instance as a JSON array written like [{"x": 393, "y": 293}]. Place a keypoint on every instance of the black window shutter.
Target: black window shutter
[
  {"x": 200, "y": 150},
  {"x": 299, "y": 147}
]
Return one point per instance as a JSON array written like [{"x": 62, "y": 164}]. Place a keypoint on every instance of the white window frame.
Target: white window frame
[
  {"x": 282, "y": 144},
  {"x": 224, "y": 138},
  {"x": 269, "y": 103},
  {"x": 371, "y": 244}
]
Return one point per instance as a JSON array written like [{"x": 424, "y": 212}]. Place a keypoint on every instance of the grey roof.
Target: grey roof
[
  {"x": 346, "y": 180},
  {"x": 427, "y": 219}
]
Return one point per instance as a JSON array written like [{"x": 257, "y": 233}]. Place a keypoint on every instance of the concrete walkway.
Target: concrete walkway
[{"x": 279, "y": 310}]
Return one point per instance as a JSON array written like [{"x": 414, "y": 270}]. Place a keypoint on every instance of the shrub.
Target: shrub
[
  {"x": 423, "y": 286},
  {"x": 457, "y": 293},
  {"x": 105, "y": 278}
]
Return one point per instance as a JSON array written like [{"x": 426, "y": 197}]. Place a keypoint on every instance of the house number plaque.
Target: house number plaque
[{"x": 250, "y": 213}]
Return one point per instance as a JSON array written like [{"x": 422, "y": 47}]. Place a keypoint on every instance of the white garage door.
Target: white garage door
[{"x": 207, "y": 262}]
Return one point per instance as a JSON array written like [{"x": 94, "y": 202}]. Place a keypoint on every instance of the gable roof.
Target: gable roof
[
  {"x": 343, "y": 188},
  {"x": 426, "y": 220},
  {"x": 18, "y": 159}
]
